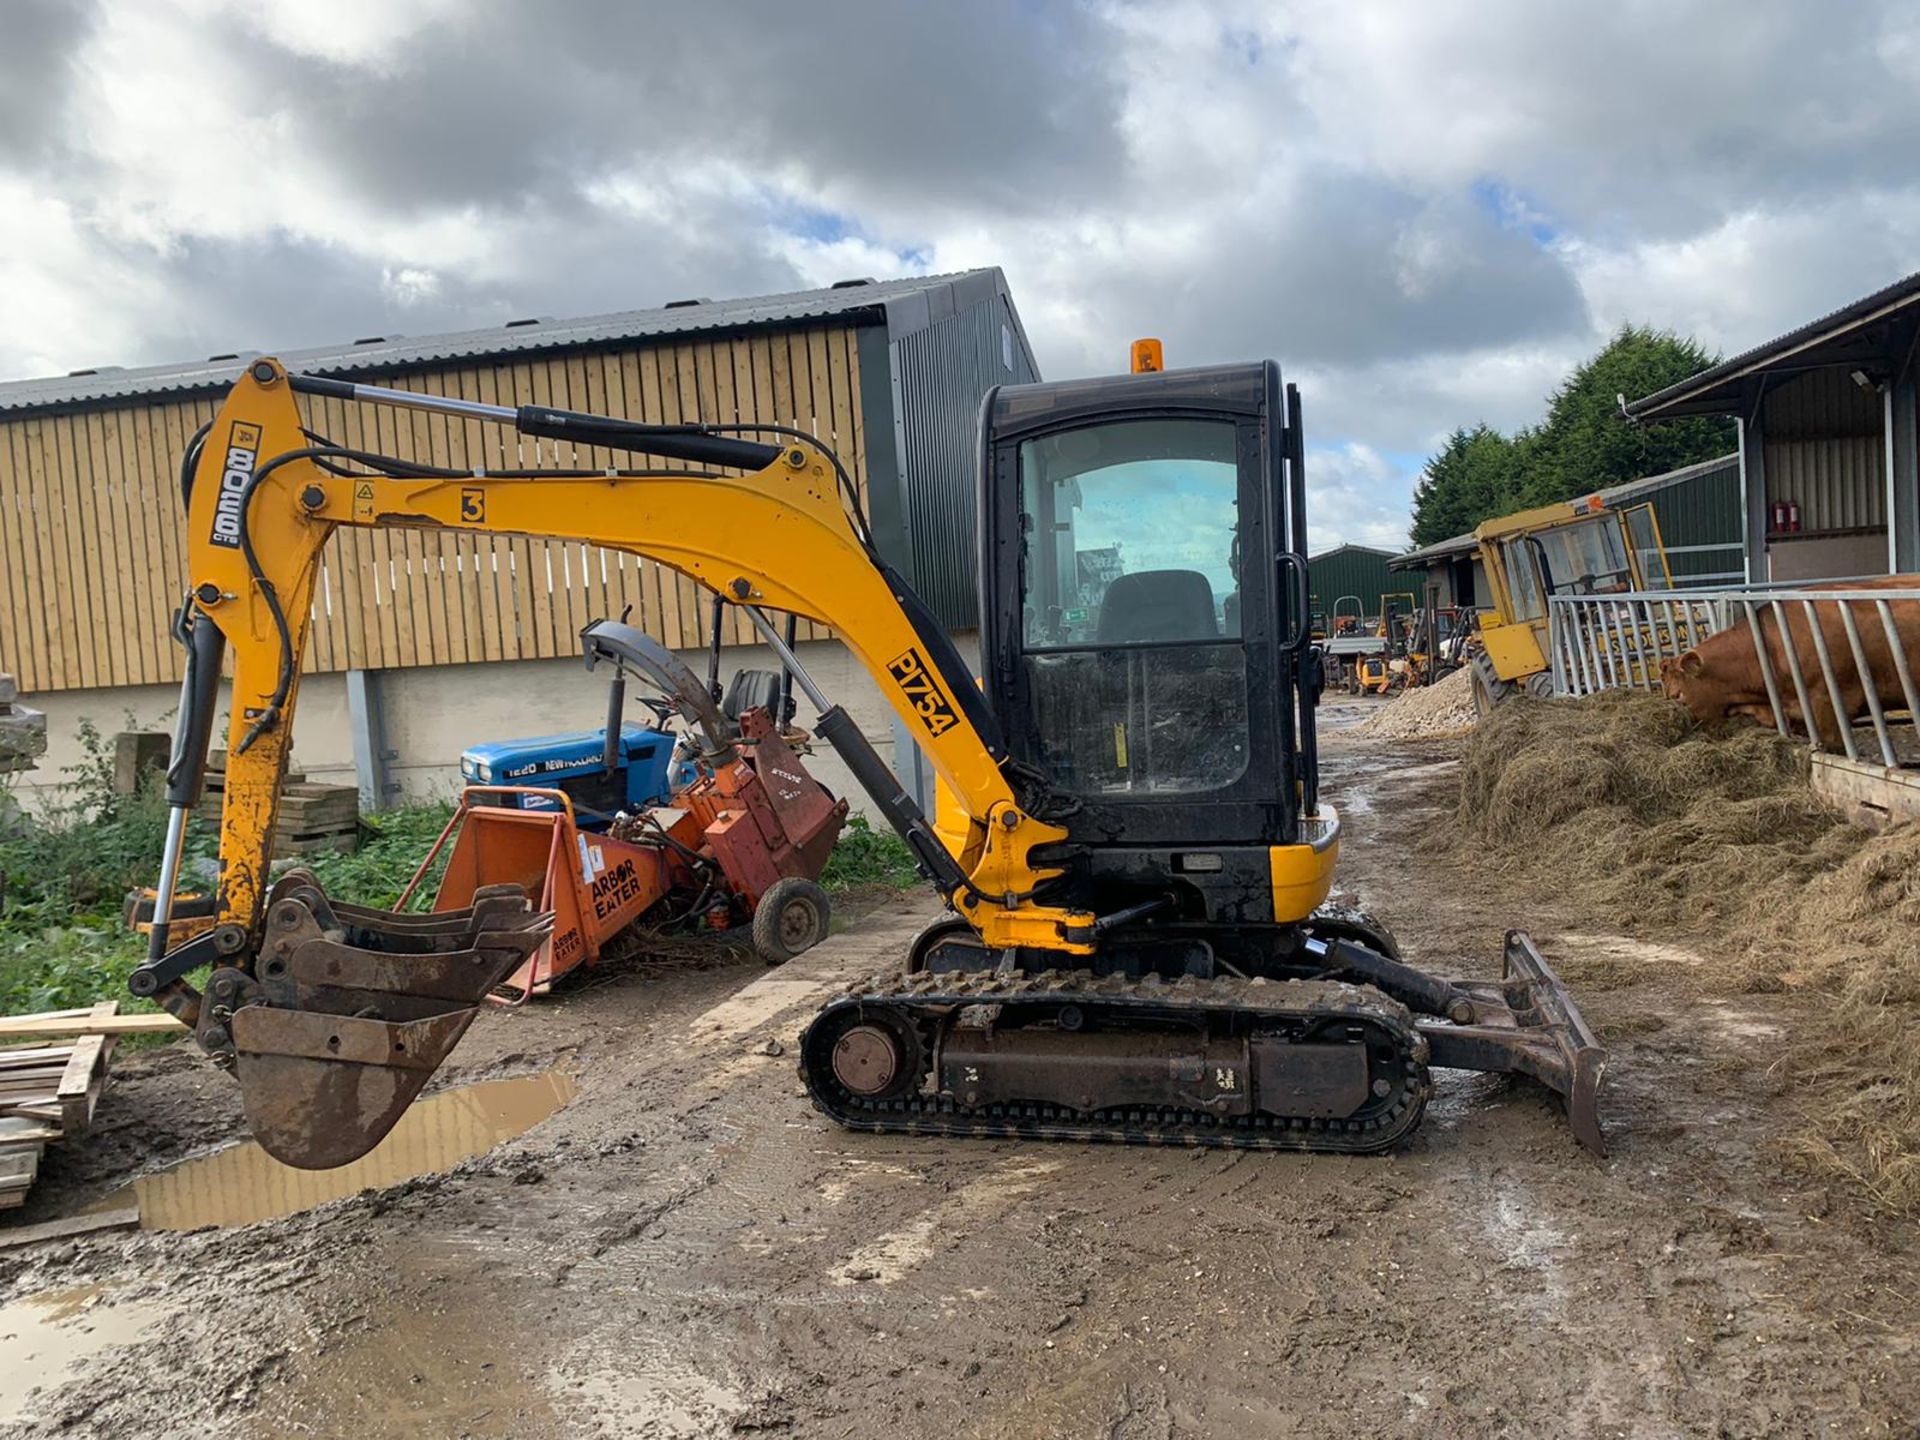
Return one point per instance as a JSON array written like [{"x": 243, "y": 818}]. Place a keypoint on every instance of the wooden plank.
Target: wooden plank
[
  {"x": 115, "y": 557},
  {"x": 643, "y": 576},
  {"x": 58, "y": 564},
  {"x": 844, "y": 381},
  {"x": 21, "y": 1130},
  {"x": 85, "y": 1023},
  {"x": 13, "y": 1057},
  {"x": 15, "y": 1236},
  {"x": 674, "y": 628},
  {"x": 621, "y": 566},
  {"x": 30, "y": 1087},
  {"x": 515, "y": 579},
  {"x": 161, "y": 577},
  {"x": 168, "y": 429},
  {"x": 86, "y": 581},
  {"x": 459, "y": 553},
  {"x": 379, "y": 627},
  {"x": 570, "y": 596},
  {"x": 147, "y": 582},
  {"x": 414, "y": 622},
  {"x": 174, "y": 427},
  {"x": 521, "y": 386},
  {"x": 586, "y": 382},
  {"x": 25, "y": 641},
  {"x": 466, "y": 449},
  {"x": 17, "y": 1169},
  {"x": 687, "y": 396},
  {"x": 89, "y": 1053},
  {"x": 349, "y": 566},
  {"x": 437, "y": 586}
]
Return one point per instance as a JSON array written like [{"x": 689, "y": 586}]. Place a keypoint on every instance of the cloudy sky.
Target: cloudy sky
[{"x": 1425, "y": 210}]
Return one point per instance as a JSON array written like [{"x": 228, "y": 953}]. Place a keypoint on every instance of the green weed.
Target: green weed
[{"x": 866, "y": 856}]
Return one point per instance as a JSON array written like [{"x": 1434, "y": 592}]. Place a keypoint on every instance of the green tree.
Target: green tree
[
  {"x": 1582, "y": 444},
  {"x": 1471, "y": 477}
]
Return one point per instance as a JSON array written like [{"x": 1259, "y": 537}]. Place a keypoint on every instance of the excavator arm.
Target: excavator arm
[{"x": 332, "y": 1017}]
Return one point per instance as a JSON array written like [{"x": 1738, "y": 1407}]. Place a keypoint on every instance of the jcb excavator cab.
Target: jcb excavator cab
[{"x": 1146, "y": 626}]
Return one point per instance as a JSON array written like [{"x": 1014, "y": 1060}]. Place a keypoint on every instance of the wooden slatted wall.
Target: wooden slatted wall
[{"x": 92, "y": 544}]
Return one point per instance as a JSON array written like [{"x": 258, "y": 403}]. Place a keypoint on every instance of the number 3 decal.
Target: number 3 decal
[{"x": 473, "y": 506}]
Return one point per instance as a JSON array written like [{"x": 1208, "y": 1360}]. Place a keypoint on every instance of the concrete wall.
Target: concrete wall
[{"x": 433, "y": 713}]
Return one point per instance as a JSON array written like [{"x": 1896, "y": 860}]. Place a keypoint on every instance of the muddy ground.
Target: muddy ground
[{"x": 687, "y": 1249}]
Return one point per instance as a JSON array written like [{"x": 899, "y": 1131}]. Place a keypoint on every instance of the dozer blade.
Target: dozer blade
[
  {"x": 341, "y": 1024},
  {"x": 1526, "y": 1024}
]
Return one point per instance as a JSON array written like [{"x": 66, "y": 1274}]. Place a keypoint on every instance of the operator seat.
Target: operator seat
[
  {"x": 1158, "y": 605},
  {"x": 749, "y": 688}
]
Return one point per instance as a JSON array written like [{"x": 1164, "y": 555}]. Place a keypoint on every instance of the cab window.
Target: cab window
[{"x": 1131, "y": 607}]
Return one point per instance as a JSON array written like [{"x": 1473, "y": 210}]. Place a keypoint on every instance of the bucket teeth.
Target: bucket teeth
[{"x": 348, "y": 1012}]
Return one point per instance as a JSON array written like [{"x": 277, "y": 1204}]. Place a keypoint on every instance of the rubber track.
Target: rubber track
[{"x": 929, "y": 998}]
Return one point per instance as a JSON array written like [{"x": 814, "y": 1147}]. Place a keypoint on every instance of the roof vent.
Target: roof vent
[
  {"x": 215, "y": 359},
  {"x": 378, "y": 339},
  {"x": 685, "y": 304},
  {"x": 852, "y": 284},
  {"x": 529, "y": 320},
  {"x": 94, "y": 371}
]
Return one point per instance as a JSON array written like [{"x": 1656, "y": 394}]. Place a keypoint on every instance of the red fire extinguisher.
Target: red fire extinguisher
[{"x": 1793, "y": 517}]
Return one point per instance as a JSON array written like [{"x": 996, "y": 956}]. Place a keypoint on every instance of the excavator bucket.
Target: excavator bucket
[
  {"x": 1526, "y": 1023},
  {"x": 349, "y": 1011}
]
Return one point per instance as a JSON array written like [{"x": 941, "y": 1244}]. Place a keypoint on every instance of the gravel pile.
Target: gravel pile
[{"x": 1431, "y": 712}]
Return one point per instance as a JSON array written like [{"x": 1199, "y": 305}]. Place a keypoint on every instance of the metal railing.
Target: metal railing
[{"x": 1820, "y": 639}]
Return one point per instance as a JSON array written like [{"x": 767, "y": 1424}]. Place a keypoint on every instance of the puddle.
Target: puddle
[
  {"x": 243, "y": 1184},
  {"x": 44, "y": 1337}
]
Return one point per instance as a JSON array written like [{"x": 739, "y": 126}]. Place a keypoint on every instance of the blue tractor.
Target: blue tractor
[
  {"x": 646, "y": 771},
  {"x": 648, "y": 763}
]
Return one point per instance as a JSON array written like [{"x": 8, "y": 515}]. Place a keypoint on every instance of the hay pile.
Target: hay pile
[
  {"x": 1432, "y": 712},
  {"x": 1623, "y": 805}
]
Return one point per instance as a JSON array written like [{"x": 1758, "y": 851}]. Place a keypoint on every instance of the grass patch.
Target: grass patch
[
  {"x": 392, "y": 844},
  {"x": 66, "y": 872},
  {"x": 865, "y": 856}
]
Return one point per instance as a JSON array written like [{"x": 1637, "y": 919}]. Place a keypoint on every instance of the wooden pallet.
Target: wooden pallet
[
  {"x": 48, "y": 1091},
  {"x": 312, "y": 816}
]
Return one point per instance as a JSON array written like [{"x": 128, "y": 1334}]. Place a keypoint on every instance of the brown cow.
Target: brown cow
[{"x": 1721, "y": 675}]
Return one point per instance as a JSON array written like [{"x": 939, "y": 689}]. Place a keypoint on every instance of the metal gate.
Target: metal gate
[{"x": 1614, "y": 642}]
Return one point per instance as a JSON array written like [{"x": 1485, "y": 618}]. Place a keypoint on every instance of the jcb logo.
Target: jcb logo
[
  {"x": 915, "y": 679},
  {"x": 243, "y": 453}
]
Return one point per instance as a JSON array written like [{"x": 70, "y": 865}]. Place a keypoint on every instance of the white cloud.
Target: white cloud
[
  {"x": 1427, "y": 210},
  {"x": 1356, "y": 494}
]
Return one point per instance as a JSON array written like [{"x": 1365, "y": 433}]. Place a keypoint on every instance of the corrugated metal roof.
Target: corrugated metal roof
[
  {"x": 385, "y": 354},
  {"x": 1617, "y": 495},
  {"x": 1353, "y": 545},
  {"x": 1694, "y": 393}
]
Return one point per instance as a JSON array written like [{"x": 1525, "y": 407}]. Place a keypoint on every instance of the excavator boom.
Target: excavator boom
[{"x": 330, "y": 1047}]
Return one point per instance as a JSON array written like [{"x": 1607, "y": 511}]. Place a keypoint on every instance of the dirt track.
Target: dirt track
[{"x": 688, "y": 1250}]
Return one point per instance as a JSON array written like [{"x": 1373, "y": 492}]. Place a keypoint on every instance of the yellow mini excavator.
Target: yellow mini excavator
[{"x": 1136, "y": 861}]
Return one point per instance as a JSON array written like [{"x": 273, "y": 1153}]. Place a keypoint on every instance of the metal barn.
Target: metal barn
[
  {"x": 1352, "y": 571},
  {"x": 1829, "y": 439},
  {"x": 890, "y": 373}
]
